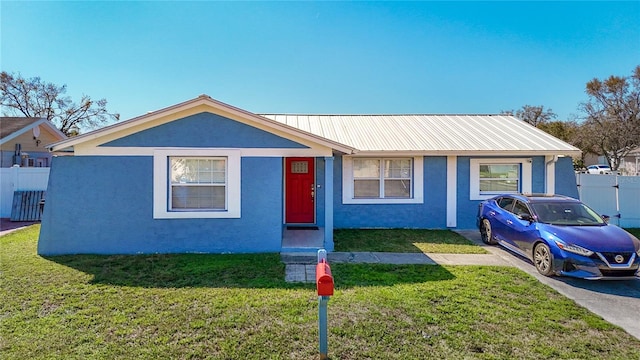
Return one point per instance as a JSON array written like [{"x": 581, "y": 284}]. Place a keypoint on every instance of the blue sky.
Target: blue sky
[{"x": 324, "y": 57}]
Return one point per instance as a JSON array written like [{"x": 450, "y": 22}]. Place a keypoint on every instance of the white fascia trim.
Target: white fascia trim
[
  {"x": 247, "y": 152},
  {"x": 347, "y": 184},
  {"x": 452, "y": 190},
  {"x": 161, "y": 184},
  {"x": 474, "y": 175},
  {"x": 434, "y": 152}
]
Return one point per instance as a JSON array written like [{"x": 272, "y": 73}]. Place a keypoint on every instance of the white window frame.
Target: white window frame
[
  {"x": 474, "y": 175},
  {"x": 173, "y": 186},
  {"x": 161, "y": 184},
  {"x": 417, "y": 182}
]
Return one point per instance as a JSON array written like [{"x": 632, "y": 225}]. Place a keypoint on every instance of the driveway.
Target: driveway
[
  {"x": 618, "y": 302},
  {"x": 7, "y": 226}
]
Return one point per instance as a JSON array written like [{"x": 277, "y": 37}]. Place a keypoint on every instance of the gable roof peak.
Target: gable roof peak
[{"x": 201, "y": 103}]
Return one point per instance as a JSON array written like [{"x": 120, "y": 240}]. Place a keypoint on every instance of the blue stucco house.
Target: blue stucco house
[{"x": 204, "y": 176}]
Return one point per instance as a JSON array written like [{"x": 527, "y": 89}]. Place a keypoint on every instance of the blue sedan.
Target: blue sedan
[{"x": 560, "y": 235}]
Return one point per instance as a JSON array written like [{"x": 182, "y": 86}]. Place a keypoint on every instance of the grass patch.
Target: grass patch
[
  {"x": 404, "y": 241},
  {"x": 634, "y": 231},
  {"x": 239, "y": 307}
]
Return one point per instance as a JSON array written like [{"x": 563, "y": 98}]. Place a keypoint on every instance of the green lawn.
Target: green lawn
[
  {"x": 239, "y": 307},
  {"x": 634, "y": 231},
  {"x": 404, "y": 241}
]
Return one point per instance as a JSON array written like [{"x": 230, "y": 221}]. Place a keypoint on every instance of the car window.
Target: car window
[
  {"x": 566, "y": 213},
  {"x": 506, "y": 203},
  {"x": 521, "y": 208}
]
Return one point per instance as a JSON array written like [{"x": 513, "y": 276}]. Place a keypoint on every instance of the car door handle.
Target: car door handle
[
  {"x": 509, "y": 222},
  {"x": 492, "y": 213}
]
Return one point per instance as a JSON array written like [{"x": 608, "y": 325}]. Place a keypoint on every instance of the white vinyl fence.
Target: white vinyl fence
[
  {"x": 19, "y": 178},
  {"x": 613, "y": 195}
]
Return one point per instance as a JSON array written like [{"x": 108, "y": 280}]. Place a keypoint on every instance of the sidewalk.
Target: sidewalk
[{"x": 301, "y": 267}]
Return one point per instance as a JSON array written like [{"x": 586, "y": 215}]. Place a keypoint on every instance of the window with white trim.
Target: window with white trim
[
  {"x": 196, "y": 183},
  {"x": 382, "y": 180},
  {"x": 499, "y": 179},
  {"x": 491, "y": 177}
]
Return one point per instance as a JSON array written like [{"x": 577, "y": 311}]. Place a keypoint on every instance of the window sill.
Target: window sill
[
  {"x": 383, "y": 201},
  {"x": 196, "y": 215}
]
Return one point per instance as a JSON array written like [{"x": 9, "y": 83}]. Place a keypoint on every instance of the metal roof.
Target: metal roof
[{"x": 430, "y": 133}]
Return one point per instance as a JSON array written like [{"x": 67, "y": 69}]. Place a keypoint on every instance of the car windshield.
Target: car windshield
[{"x": 566, "y": 213}]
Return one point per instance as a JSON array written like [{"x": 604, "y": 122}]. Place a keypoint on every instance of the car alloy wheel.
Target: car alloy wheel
[
  {"x": 485, "y": 231},
  {"x": 542, "y": 259}
]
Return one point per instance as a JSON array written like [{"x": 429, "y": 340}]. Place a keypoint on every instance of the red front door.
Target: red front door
[{"x": 300, "y": 190}]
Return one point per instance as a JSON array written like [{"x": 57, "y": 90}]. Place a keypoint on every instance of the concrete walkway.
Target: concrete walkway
[{"x": 300, "y": 267}]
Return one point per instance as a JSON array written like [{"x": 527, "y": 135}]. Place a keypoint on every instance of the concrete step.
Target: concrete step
[{"x": 299, "y": 257}]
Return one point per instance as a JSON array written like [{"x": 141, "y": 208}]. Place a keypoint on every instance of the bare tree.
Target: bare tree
[
  {"x": 612, "y": 118},
  {"x": 36, "y": 98},
  {"x": 534, "y": 115}
]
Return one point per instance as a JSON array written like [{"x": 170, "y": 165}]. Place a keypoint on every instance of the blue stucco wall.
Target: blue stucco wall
[
  {"x": 204, "y": 130},
  {"x": 429, "y": 215},
  {"x": 538, "y": 175},
  {"x": 468, "y": 209},
  {"x": 103, "y": 205},
  {"x": 566, "y": 178}
]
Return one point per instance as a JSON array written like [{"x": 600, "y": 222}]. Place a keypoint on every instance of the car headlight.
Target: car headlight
[{"x": 574, "y": 249}]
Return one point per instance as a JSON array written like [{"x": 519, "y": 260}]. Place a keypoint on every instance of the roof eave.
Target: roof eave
[{"x": 493, "y": 153}]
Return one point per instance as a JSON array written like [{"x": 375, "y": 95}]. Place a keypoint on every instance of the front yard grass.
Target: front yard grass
[
  {"x": 634, "y": 231},
  {"x": 404, "y": 241},
  {"x": 196, "y": 306}
]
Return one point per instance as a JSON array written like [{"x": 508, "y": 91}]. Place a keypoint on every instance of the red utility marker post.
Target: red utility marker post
[{"x": 324, "y": 284}]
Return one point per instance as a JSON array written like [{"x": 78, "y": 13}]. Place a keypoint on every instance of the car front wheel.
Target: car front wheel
[
  {"x": 485, "y": 231},
  {"x": 543, "y": 260}
]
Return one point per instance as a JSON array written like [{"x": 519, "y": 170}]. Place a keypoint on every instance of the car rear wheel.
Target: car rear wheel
[
  {"x": 542, "y": 259},
  {"x": 487, "y": 234}
]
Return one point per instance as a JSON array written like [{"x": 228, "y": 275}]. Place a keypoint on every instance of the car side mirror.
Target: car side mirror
[
  {"x": 525, "y": 217},
  {"x": 606, "y": 218}
]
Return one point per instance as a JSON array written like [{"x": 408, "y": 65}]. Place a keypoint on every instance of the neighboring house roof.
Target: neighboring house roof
[
  {"x": 431, "y": 134},
  {"x": 635, "y": 152},
  {"x": 12, "y": 127}
]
